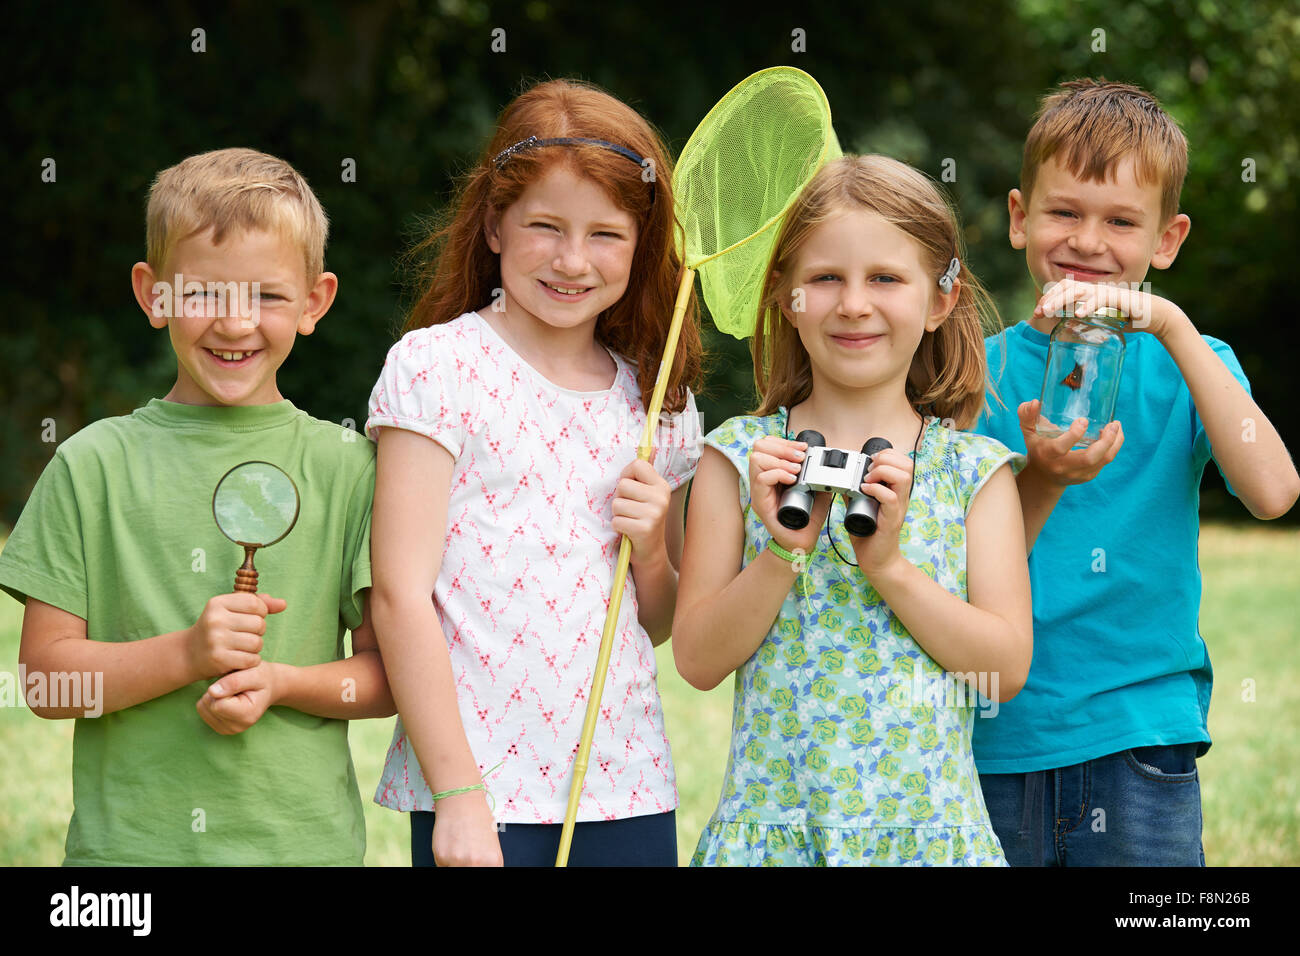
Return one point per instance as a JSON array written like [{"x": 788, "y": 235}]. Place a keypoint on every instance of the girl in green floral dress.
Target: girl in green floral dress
[{"x": 857, "y": 659}]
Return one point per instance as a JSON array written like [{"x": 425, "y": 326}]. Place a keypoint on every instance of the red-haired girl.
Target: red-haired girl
[{"x": 507, "y": 420}]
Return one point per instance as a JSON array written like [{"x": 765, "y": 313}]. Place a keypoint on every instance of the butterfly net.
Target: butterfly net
[{"x": 739, "y": 173}]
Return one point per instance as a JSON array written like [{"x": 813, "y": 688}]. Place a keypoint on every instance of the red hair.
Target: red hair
[{"x": 460, "y": 272}]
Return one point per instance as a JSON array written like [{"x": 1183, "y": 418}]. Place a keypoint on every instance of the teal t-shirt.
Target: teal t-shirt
[
  {"x": 119, "y": 530},
  {"x": 1118, "y": 657}
]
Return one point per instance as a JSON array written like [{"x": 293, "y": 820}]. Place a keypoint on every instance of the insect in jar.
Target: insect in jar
[{"x": 1075, "y": 378}]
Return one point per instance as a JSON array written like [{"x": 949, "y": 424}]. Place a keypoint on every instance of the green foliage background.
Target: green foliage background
[{"x": 115, "y": 92}]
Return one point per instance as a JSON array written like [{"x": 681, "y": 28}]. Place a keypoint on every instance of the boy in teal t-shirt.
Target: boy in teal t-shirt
[
  {"x": 211, "y": 726},
  {"x": 1094, "y": 762}
]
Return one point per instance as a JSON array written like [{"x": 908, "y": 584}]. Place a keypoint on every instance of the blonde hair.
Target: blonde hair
[
  {"x": 948, "y": 373},
  {"x": 1094, "y": 124},
  {"x": 236, "y": 189}
]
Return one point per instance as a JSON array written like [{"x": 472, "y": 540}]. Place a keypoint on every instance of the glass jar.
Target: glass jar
[{"x": 1084, "y": 358}]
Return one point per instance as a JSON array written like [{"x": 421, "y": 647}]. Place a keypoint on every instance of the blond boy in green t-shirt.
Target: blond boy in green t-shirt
[{"x": 210, "y": 725}]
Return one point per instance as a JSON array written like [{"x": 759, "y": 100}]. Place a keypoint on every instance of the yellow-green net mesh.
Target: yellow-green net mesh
[{"x": 740, "y": 172}]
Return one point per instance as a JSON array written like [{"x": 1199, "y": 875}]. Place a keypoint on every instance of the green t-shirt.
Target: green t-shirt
[{"x": 119, "y": 530}]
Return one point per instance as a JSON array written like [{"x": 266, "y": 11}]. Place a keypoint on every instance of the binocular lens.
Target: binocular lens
[
  {"x": 796, "y": 509},
  {"x": 860, "y": 517}
]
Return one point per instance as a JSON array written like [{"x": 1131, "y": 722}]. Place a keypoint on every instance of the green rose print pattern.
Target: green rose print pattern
[{"x": 850, "y": 745}]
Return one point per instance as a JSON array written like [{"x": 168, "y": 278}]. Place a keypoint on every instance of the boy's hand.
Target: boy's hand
[
  {"x": 774, "y": 465},
  {"x": 890, "y": 482},
  {"x": 238, "y": 700},
  {"x": 228, "y": 634},
  {"x": 464, "y": 833},
  {"x": 1146, "y": 312},
  {"x": 640, "y": 508},
  {"x": 1056, "y": 459}
]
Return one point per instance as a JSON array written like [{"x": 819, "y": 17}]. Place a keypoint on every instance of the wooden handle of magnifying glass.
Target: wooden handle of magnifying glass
[{"x": 246, "y": 576}]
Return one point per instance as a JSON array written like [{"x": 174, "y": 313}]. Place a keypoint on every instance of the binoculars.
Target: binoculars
[{"x": 837, "y": 471}]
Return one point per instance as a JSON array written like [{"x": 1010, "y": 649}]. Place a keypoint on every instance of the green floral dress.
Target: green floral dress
[{"x": 849, "y": 744}]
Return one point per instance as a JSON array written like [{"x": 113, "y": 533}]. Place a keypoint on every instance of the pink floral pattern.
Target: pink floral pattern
[{"x": 526, "y": 572}]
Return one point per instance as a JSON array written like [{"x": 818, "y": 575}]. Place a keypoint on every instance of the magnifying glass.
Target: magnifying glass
[{"x": 255, "y": 505}]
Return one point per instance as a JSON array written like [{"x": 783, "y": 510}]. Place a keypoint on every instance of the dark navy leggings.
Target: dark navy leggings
[{"x": 637, "y": 841}]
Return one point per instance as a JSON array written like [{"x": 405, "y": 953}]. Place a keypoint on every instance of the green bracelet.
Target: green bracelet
[
  {"x": 478, "y": 786},
  {"x": 798, "y": 557},
  {"x": 458, "y": 791}
]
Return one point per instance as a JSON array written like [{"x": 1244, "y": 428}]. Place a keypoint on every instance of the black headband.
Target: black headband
[{"x": 533, "y": 142}]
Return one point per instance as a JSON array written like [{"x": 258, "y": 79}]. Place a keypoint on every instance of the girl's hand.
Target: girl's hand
[
  {"x": 890, "y": 482},
  {"x": 774, "y": 465},
  {"x": 464, "y": 833},
  {"x": 640, "y": 509},
  {"x": 1146, "y": 312}
]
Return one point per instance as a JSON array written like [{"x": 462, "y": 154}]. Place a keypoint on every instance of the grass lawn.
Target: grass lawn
[{"x": 1250, "y": 785}]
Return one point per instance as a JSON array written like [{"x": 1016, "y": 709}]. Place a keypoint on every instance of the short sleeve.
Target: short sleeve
[
  {"x": 734, "y": 438},
  {"x": 45, "y": 556},
  {"x": 418, "y": 389},
  {"x": 356, "y": 555},
  {"x": 974, "y": 459},
  {"x": 681, "y": 440},
  {"x": 1200, "y": 440}
]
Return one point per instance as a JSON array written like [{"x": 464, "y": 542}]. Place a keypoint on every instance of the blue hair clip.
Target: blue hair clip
[{"x": 946, "y": 280}]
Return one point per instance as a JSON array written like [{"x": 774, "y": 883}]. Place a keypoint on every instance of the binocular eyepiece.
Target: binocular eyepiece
[{"x": 839, "y": 472}]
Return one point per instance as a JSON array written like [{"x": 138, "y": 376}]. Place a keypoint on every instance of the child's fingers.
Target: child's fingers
[
  {"x": 780, "y": 448},
  {"x": 893, "y": 458},
  {"x": 1119, "y": 443},
  {"x": 274, "y": 605},
  {"x": 240, "y": 681},
  {"x": 250, "y": 624},
  {"x": 210, "y": 717},
  {"x": 634, "y": 490},
  {"x": 761, "y": 463},
  {"x": 229, "y": 717},
  {"x": 237, "y": 651},
  {"x": 239, "y": 602},
  {"x": 1060, "y": 445},
  {"x": 1049, "y": 301},
  {"x": 1066, "y": 295},
  {"x": 247, "y": 637},
  {"x": 887, "y": 474},
  {"x": 890, "y": 466},
  {"x": 776, "y": 476},
  {"x": 1109, "y": 295},
  {"x": 885, "y": 496},
  {"x": 637, "y": 511},
  {"x": 1102, "y": 451},
  {"x": 640, "y": 470},
  {"x": 1028, "y": 414},
  {"x": 630, "y": 525},
  {"x": 238, "y": 660}
]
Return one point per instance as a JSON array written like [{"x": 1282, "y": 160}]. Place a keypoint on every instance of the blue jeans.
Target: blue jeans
[
  {"x": 636, "y": 841},
  {"x": 1139, "y": 807}
]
